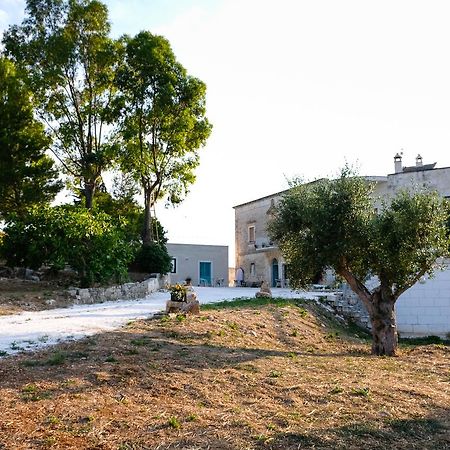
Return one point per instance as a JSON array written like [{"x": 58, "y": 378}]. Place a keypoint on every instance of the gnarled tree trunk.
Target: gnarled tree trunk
[
  {"x": 384, "y": 327},
  {"x": 380, "y": 305}
]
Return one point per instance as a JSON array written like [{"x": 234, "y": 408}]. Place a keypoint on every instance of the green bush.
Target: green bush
[
  {"x": 152, "y": 258},
  {"x": 91, "y": 243}
]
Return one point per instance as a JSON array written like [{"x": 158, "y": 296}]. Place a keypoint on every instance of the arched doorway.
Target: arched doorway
[{"x": 275, "y": 272}]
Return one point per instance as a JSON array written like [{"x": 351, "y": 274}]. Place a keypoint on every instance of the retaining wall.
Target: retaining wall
[{"x": 125, "y": 291}]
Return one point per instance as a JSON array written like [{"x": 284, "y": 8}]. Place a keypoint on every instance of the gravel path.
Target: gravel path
[{"x": 32, "y": 330}]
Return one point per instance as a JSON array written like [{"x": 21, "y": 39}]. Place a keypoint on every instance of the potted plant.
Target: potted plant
[{"x": 177, "y": 293}]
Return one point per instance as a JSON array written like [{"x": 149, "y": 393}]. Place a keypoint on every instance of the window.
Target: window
[
  {"x": 251, "y": 234},
  {"x": 252, "y": 269},
  {"x": 174, "y": 265}
]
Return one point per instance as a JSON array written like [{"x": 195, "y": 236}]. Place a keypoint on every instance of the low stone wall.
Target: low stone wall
[
  {"x": 348, "y": 305},
  {"x": 127, "y": 291}
]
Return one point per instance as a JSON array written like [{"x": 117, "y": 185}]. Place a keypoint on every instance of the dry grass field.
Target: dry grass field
[{"x": 251, "y": 375}]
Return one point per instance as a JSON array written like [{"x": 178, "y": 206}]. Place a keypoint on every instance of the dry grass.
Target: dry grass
[{"x": 265, "y": 377}]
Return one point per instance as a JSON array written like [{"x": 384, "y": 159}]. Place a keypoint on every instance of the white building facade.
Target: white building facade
[{"x": 205, "y": 265}]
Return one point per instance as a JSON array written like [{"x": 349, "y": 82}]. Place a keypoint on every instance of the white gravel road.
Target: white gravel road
[{"x": 32, "y": 330}]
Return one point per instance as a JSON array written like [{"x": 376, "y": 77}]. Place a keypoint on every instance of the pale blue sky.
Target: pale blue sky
[{"x": 298, "y": 87}]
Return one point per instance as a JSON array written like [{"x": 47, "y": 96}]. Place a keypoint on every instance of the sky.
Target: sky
[{"x": 297, "y": 88}]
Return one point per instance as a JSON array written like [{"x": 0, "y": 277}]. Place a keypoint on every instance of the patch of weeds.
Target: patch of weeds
[
  {"x": 261, "y": 438},
  {"x": 271, "y": 427},
  {"x": 32, "y": 393},
  {"x": 310, "y": 350},
  {"x": 173, "y": 422},
  {"x": 53, "y": 420},
  {"x": 294, "y": 333},
  {"x": 180, "y": 318},
  {"x": 232, "y": 325},
  {"x": 191, "y": 418},
  {"x": 165, "y": 319},
  {"x": 336, "y": 390},
  {"x": 332, "y": 336},
  {"x": 292, "y": 355},
  {"x": 56, "y": 359},
  {"x": 302, "y": 311},
  {"x": 111, "y": 359},
  {"x": 221, "y": 333},
  {"x": 275, "y": 374},
  {"x": 361, "y": 392}
]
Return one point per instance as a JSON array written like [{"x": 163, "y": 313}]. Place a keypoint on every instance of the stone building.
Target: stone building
[
  {"x": 260, "y": 259},
  {"x": 257, "y": 258}
]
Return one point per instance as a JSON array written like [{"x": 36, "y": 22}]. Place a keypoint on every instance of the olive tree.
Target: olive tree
[{"x": 333, "y": 224}]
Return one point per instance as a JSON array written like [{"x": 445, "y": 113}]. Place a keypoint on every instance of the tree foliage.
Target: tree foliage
[
  {"x": 164, "y": 121},
  {"x": 27, "y": 174},
  {"x": 153, "y": 258},
  {"x": 333, "y": 224},
  {"x": 64, "y": 47},
  {"x": 91, "y": 243}
]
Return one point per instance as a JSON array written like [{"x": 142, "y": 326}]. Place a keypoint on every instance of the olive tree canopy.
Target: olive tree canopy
[{"x": 333, "y": 224}]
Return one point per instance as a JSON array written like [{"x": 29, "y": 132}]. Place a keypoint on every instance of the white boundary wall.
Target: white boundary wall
[{"x": 424, "y": 309}]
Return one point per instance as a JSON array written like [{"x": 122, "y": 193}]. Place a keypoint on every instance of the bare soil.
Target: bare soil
[
  {"x": 277, "y": 376},
  {"x": 18, "y": 295},
  {"x": 22, "y": 295}
]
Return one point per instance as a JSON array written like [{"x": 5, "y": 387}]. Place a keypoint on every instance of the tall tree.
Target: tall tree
[
  {"x": 64, "y": 47},
  {"x": 164, "y": 121},
  {"x": 333, "y": 224},
  {"x": 27, "y": 174}
]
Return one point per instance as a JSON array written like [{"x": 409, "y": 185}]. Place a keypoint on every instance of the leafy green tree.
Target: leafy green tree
[
  {"x": 27, "y": 174},
  {"x": 164, "y": 121},
  {"x": 92, "y": 243},
  {"x": 332, "y": 224},
  {"x": 64, "y": 47}
]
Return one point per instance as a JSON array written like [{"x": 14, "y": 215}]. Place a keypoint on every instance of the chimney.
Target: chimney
[
  {"x": 419, "y": 161},
  {"x": 398, "y": 163}
]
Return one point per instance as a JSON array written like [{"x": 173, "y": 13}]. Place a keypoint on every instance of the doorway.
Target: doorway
[
  {"x": 275, "y": 272},
  {"x": 205, "y": 270}
]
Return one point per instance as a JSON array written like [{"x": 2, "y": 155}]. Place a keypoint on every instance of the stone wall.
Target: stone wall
[{"x": 125, "y": 291}]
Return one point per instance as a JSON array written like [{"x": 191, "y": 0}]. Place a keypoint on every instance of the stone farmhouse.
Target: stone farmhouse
[{"x": 259, "y": 259}]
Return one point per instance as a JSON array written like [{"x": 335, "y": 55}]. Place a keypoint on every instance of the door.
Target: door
[
  {"x": 275, "y": 275},
  {"x": 205, "y": 273}
]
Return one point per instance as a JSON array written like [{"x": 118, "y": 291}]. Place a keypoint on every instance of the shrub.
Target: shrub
[
  {"x": 89, "y": 242},
  {"x": 152, "y": 258}
]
